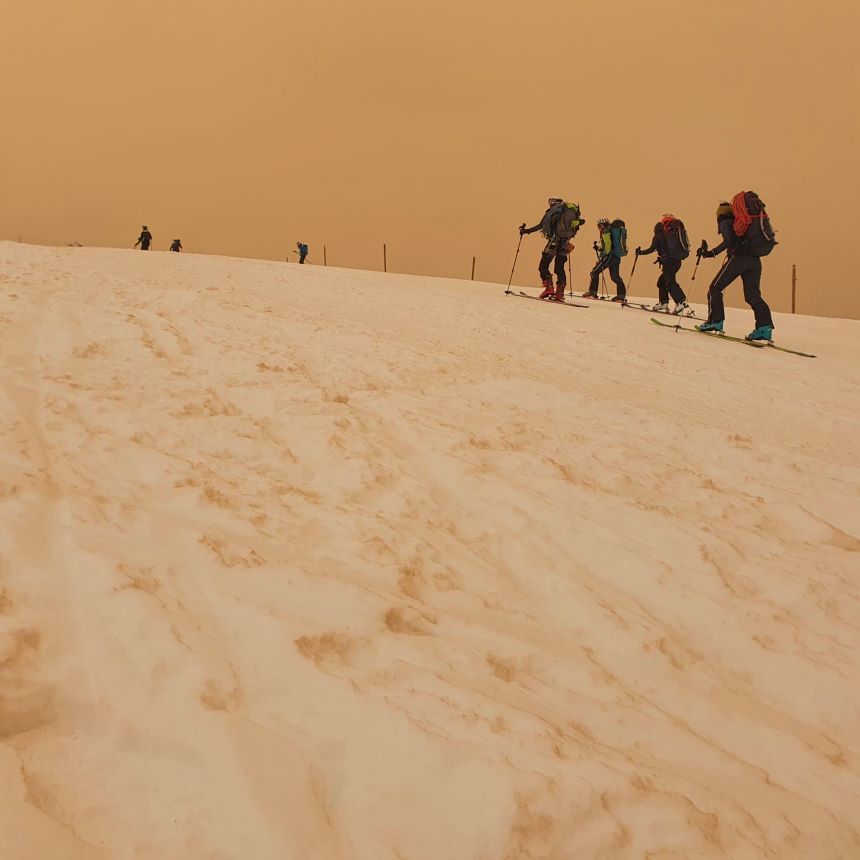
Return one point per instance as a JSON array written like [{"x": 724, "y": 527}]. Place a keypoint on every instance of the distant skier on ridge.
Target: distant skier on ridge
[
  {"x": 176, "y": 245},
  {"x": 145, "y": 239}
]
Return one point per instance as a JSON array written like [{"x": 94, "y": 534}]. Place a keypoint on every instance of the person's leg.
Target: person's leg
[
  {"x": 545, "y": 277},
  {"x": 670, "y": 272},
  {"x": 560, "y": 276},
  {"x": 615, "y": 274},
  {"x": 543, "y": 266},
  {"x": 751, "y": 277},
  {"x": 595, "y": 275},
  {"x": 728, "y": 272},
  {"x": 662, "y": 292}
]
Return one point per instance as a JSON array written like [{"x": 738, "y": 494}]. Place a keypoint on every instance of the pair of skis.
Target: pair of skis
[
  {"x": 639, "y": 307},
  {"x": 756, "y": 344},
  {"x": 547, "y": 301}
]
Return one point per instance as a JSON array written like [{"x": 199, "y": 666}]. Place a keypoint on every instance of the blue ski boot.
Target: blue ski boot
[
  {"x": 711, "y": 326},
  {"x": 763, "y": 332}
]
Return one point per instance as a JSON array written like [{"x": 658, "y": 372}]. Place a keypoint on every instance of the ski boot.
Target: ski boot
[
  {"x": 559, "y": 291},
  {"x": 547, "y": 288},
  {"x": 716, "y": 327},
  {"x": 590, "y": 294},
  {"x": 763, "y": 332},
  {"x": 682, "y": 308},
  {"x": 622, "y": 299},
  {"x": 661, "y": 307}
]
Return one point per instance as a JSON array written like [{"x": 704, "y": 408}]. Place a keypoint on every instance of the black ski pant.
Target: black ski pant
[
  {"x": 558, "y": 252},
  {"x": 667, "y": 283},
  {"x": 612, "y": 263},
  {"x": 302, "y": 257},
  {"x": 748, "y": 269},
  {"x": 144, "y": 246}
]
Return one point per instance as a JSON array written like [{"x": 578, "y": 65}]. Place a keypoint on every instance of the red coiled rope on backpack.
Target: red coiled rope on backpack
[{"x": 743, "y": 219}]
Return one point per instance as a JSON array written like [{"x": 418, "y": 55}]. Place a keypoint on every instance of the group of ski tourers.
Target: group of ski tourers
[
  {"x": 145, "y": 240},
  {"x": 746, "y": 236}
]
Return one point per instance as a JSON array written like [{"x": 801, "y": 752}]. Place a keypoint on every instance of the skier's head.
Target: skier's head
[
  {"x": 554, "y": 201},
  {"x": 145, "y": 227},
  {"x": 725, "y": 208}
]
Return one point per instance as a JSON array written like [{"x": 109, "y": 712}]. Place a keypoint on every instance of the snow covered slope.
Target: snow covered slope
[{"x": 315, "y": 563}]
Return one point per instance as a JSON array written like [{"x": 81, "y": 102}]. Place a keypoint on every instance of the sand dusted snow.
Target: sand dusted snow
[{"x": 323, "y": 564}]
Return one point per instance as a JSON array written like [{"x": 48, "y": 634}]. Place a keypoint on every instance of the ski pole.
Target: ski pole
[
  {"x": 702, "y": 248},
  {"x": 632, "y": 273},
  {"x": 602, "y": 271},
  {"x": 510, "y": 280},
  {"x": 570, "y": 275}
]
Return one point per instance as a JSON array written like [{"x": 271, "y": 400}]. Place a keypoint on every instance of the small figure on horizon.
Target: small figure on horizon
[
  {"x": 672, "y": 245},
  {"x": 176, "y": 245},
  {"x": 747, "y": 236},
  {"x": 145, "y": 239},
  {"x": 559, "y": 224},
  {"x": 303, "y": 251},
  {"x": 611, "y": 246}
]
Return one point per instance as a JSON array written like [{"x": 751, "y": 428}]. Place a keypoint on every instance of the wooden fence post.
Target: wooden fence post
[{"x": 793, "y": 287}]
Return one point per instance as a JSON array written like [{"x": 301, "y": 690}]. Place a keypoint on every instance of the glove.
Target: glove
[
  {"x": 568, "y": 247},
  {"x": 704, "y": 252},
  {"x": 522, "y": 229},
  {"x": 638, "y": 251}
]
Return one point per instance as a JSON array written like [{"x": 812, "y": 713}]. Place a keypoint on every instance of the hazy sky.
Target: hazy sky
[{"x": 436, "y": 127}]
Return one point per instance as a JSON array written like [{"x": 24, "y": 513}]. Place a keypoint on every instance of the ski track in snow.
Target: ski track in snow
[{"x": 301, "y": 562}]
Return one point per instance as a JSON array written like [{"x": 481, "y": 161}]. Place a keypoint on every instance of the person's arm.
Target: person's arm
[
  {"x": 526, "y": 230},
  {"x": 644, "y": 252},
  {"x": 727, "y": 234}
]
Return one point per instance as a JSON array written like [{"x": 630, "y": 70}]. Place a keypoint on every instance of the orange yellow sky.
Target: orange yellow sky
[{"x": 436, "y": 127}]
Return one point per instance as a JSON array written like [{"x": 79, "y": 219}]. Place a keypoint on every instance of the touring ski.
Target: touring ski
[
  {"x": 640, "y": 307},
  {"x": 547, "y": 301},
  {"x": 758, "y": 344}
]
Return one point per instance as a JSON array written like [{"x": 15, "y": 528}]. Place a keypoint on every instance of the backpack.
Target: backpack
[
  {"x": 752, "y": 225},
  {"x": 569, "y": 222},
  {"x": 551, "y": 219},
  {"x": 677, "y": 242},
  {"x": 618, "y": 231}
]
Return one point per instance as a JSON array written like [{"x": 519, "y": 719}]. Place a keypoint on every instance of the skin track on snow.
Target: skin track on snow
[{"x": 757, "y": 344}]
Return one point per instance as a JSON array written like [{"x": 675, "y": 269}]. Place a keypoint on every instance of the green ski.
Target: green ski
[{"x": 758, "y": 344}]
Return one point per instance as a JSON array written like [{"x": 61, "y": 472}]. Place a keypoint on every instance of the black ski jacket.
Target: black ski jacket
[
  {"x": 726, "y": 227},
  {"x": 658, "y": 244}
]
